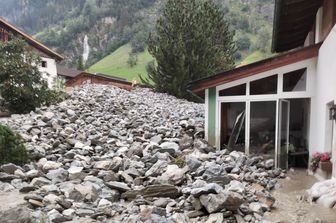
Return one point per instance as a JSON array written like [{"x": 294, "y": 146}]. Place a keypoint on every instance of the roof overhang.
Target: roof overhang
[
  {"x": 293, "y": 20},
  {"x": 31, "y": 41},
  {"x": 291, "y": 57}
]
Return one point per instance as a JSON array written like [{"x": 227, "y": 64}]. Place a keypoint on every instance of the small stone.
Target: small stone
[
  {"x": 56, "y": 217},
  {"x": 57, "y": 176},
  {"x": 215, "y": 218},
  {"x": 256, "y": 207},
  {"x": 269, "y": 164},
  {"x": 27, "y": 189},
  {"x": 75, "y": 172},
  {"x": 50, "y": 165},
  {"x": 118, "y": 186},
  {"x": 40, "y": 181},
  {"x": 35, "y": 203},
  {"x": 103, "y": 165}
]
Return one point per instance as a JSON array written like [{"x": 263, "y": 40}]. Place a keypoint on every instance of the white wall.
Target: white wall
[
  {"x": 50, "y": 71},
  {"x": 325, "y": 92}
]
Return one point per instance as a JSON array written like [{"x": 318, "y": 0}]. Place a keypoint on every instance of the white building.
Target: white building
[
  {"x": 49, "y": 57},
  {"x": 282, "y": 107}
]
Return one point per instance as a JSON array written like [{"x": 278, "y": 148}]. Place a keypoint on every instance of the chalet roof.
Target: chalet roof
[
  {"x": 73, "y": 73},
  {"x": 67, "y": 72},
  {"x": 199, "y": 86},
  {"x": 293, "y": 19},
  {"x": 36, "y": 44},
  {"x": 99, "y": 76}
]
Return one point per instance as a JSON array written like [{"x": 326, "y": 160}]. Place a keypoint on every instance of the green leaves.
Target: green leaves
[
  {"x": 21, "y": 85},
  {"x": 12, "y": 149},
  {"x": 192, "y": 41}
]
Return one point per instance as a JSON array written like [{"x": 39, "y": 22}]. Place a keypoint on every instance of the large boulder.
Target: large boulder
[{"x": 216, "y": 202}]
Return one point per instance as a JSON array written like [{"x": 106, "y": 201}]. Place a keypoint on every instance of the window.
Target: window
[
  {"x": 234, "y": 91},
  {"x": 268, "y": 85},
  {"x": 232, "y": 129},
  {"x": 44, "y": 63},
  {"x": 295, "y": 80}
]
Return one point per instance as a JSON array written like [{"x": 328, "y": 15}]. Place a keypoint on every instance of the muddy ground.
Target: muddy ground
[{"x": 291, "y": 202}]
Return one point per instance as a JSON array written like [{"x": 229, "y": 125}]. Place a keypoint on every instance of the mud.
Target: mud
[{"x": 292, "y": 204}]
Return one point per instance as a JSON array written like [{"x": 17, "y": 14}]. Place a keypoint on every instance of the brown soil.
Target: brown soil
[{"x": 292, "y": 205}]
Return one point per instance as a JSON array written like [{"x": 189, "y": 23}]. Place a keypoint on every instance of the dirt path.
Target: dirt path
[{"x": 291, "y": 204}]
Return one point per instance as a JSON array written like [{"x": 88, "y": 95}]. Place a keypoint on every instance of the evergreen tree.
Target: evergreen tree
[
  {"x": 80, "y": 64},
  {"x": 192, "y": 41}
]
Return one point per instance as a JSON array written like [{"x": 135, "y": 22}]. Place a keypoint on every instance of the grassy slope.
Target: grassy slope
[{"x": 116, "y": 64}]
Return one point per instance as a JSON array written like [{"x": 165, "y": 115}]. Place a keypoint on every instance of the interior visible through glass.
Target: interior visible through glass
[
  {"x": 233, "y": 126},
  {"x": 268, "y": 85},
  {"x": 295, "y": 80},
  {"x": 234, "y": 91},
  {"x": 262, "y": 128}
]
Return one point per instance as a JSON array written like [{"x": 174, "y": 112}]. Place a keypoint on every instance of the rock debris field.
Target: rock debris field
[{"x": 110, "y": 155}]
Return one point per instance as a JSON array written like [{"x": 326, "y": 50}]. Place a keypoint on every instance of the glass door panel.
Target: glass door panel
[
  {"x": 262, "y": 128},
  {"x": 283, "y": 134},
  {"x": 233, "y": 126}
]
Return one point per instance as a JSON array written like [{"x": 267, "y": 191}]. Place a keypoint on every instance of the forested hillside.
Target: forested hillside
[{"x": 96, "y": 28}]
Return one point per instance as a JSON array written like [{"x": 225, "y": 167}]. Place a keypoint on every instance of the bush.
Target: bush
[
  {"x": 49, "y": 97},
  {"x": 12, "y": 149}
]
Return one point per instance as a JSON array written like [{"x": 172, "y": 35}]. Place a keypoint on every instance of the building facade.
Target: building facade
[
  {"x": 49, "y": 57},
  {"x": 282, "y": 107}
]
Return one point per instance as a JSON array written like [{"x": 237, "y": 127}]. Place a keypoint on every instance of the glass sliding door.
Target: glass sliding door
[
  {"x": 283, "y": 133},
  {"x": 232, "y": 130},
  {"x": 263, "y": 128}
]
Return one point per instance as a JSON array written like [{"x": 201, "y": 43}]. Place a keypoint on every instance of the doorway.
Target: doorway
[{"x": 273, "y": 129}]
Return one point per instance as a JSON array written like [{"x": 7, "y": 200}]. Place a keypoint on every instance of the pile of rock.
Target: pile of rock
[{"x": 139, "y": 156}]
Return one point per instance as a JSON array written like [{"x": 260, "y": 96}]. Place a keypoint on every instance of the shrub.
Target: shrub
[
  {"x": 49, "y": 97},
  {"x": 12, "y": 149}
]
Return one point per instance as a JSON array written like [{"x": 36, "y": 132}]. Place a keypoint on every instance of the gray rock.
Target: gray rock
[
  {"x": 57, "y": 176},
  {"x": 207, "y": 189},
  {"x": 256, "y": 207},
  {"x": 40, "y": 181},
  {"x": 269, "y": 164},
  {"x": 103, "y": 165},
  {"x": 12, "y": 216},
  {"x": 76, "y": 172},
  {"x": 118, "y": 186},
  {"x": 83, "y": 193},
  {"x": 157, "y": 168},
  {"x": 9, "y": 168},
  {"x": 56, "y": 217},
  {"x": 215, "y": 218},
  {"x": 193, "y": 163},
  {"x": 216, "y": 202}
]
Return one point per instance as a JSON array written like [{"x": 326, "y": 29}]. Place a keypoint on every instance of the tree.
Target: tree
[
  {"x": 80, "y": 64},
  {"x": 20, "y": 79},
  {"x": 192, "y": 41},
  {"x": 132, "y": 59}
]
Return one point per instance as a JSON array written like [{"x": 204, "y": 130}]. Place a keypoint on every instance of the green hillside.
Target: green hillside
[{"x": 116, "y": 64}]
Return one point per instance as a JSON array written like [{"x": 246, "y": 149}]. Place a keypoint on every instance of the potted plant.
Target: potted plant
[
  {"x": 322, "y": 161},
  {"x": 325, "y": 163}
]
